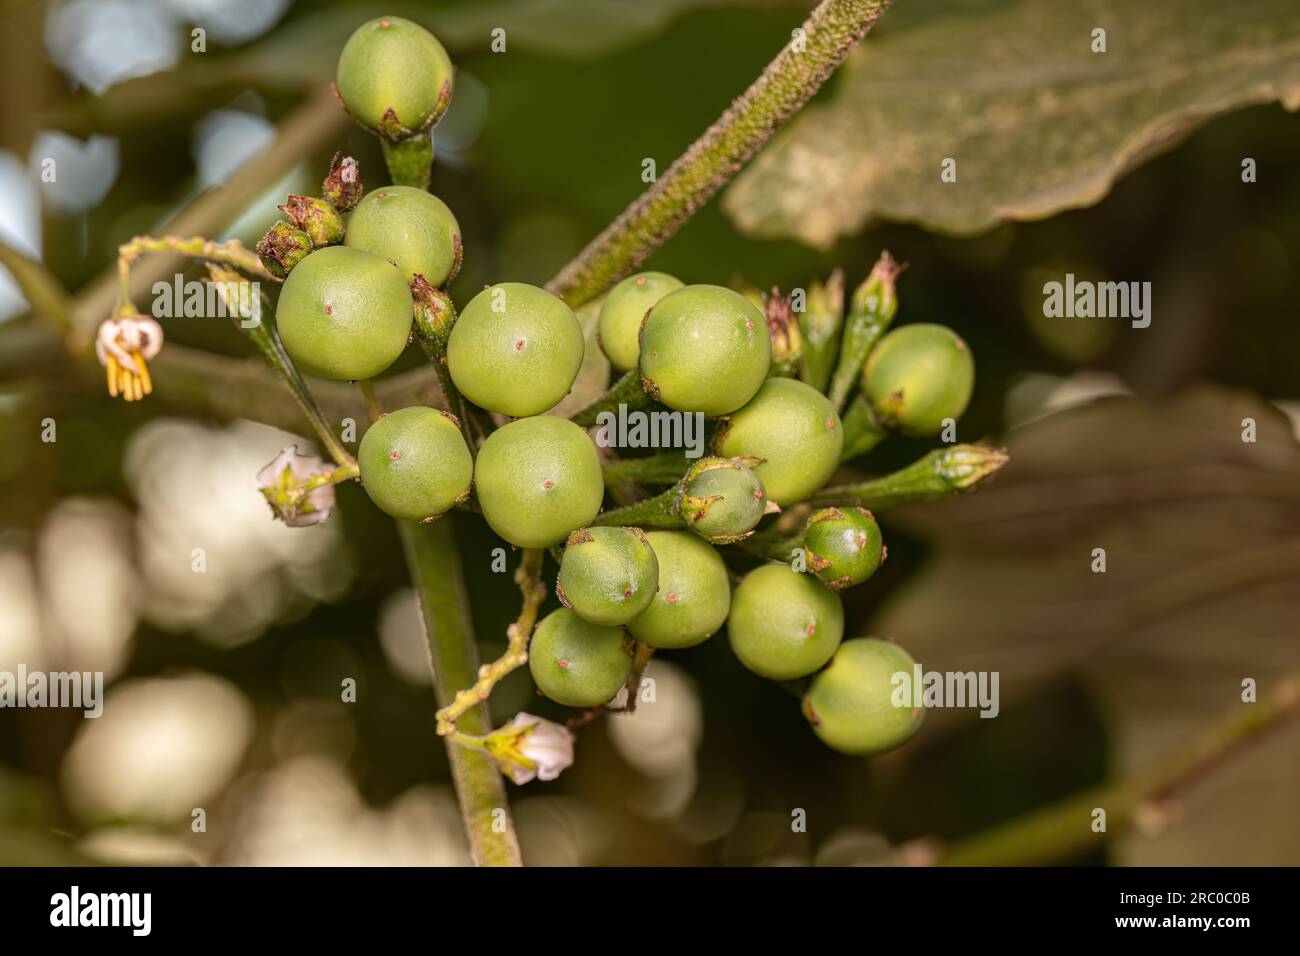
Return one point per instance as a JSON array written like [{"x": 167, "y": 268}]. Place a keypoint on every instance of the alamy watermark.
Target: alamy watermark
[
  {"x": 83, "y": 690},
  {"x": 936, "y": 689},
  {"x": 638, "y": 429},
  {"x": 200, "y": 300},
  {"x": 1085, "y": 299}
]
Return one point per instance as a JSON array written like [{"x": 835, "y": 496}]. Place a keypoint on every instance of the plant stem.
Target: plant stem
[
  {"x": 410, "y": 160},
  {"x": 474, "y": 692},
  {"x": 788, "y": 82},
  {"x": 368, "y": 396},
  {"x": 436, "y": 572},
  {"x": 1063, "y": 829},
  {"x": 657, "y": 512},
  {"x": 627, "y": 391},
  {"x": 939, "y": 474},
  {"x": 862, "y": 432},
  {"x": 665, "y": 468},
  {"x": 435, "y": 317},
  {"x": 232, "y": 253}
]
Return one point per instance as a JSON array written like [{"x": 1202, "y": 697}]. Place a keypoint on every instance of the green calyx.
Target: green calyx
[
  {"x": 917, "y": 377},
  {"x": 316, "y": 217},
  {"x": 342, "y": 187},
  {"x": 622, "y": 312},
  {"x": 282, "y": 248},
  {"x": 856, "y": 706},
  {"x": 694, "y": 593},
  {"x": 608, "y": 576},
  {"x": 577, "y": 663},
  {"x": 415, "y": 464},
  {"x": 722, "y": 499},
  {"x": 411, "y": 228},
  {"x": 843, "y": 546},
  {"x": 787, "y": 338},
  {"x": 820, "y": 324},
  {"x": 394, "y": 77},
  {"x": 784, "y": 624}
]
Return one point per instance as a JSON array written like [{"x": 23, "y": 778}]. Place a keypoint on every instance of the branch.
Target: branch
[{"x": 789, "y": 81}]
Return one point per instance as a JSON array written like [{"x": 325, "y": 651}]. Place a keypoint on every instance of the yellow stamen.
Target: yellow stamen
[
  {"x": 112, "y": 377},
  {"x": 145, "y": 381}
]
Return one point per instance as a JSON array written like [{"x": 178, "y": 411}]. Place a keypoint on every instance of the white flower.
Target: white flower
[
  {"x": 297, "y": 488},
  {"x": 123, "y": 345},
  {"x": 529, "y": 747}
]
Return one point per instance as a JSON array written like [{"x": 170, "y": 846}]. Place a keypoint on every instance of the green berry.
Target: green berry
[
  {"x": 784, "y": 624},
  {"x": 694, "y": 593},
  {"x": 577, "y": 663},
  {"x": 282, "y": 248},
  {"x": 722, "y": 499},
  {"x": 851, "y": 704},
  {"x": 623, "y": 310},
  {"x": 515, "y": 349},
  {"x": 608, "y": 575},
  {"x": 704, "y": 349},
  {"x": 843, "y": 546},
  {"x": 412, "y": 229},
  {"x": 391, "y": 64},
  {"x": 344, "y": 314},
  {"x": 415, "y": 464},
  {"x": 537, "y": 480},
  {"x": 797, "y": 432},
  {"x": 917, "y": 376}
]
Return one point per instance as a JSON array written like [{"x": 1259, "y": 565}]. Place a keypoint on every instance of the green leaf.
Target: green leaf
[{"x": 1012, "y": 91}]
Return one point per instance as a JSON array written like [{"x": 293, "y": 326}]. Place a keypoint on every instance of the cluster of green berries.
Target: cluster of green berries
[{"x": 358, "y": 269}]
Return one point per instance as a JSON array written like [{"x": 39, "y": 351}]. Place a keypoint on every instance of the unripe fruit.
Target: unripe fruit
[
  {"x": 576, "y": 663},
  {"x": 694, "y": 593},
  {"x": 624, "y": 309},
  {"x": 282, "y": 248},
  {"x": 394, "y": 64},
  {"x": 917, "y": 376},
  {"x": 843, "y": 546},
  {"x": 344, "y": 314},
  {"x": 795, "y": 429},
  {"x": 607, "y": 575},
  {"x": 537, "y": 480},
  {"x": 411, "y": 228},
  {"x": 722, "y": 499},
  {"x": 316, "y": 217},
  {"x": 704, "y": 349},
  {"x": 415, "y": 464},
  {"x": 850, "y": 704},
  {"x": 515, "y": 349},
  {"x": 784, "y": 624}
]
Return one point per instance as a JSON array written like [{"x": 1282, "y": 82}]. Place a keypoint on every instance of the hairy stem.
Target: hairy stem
[
  {"x": 940, "y": 474},
  {"x": 434, "y": 562},
  {"x": 657, "y": 512},
  {"x": 410, "y": 160},
  {"x": 665, "y": 468},
  {"x": 788, "y": 82}
]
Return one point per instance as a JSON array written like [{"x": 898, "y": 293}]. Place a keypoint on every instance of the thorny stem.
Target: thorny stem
[
  {"x": 627, "y": 391},
  {"x": 657, "y": 512},
  {"x": 941, "y": 473},
  {"x": 665, "y": 468},
  {"x": 1147, "y": 801},
  {"x": 788, "y": 82},
  {"x": 528, "y": 577}
]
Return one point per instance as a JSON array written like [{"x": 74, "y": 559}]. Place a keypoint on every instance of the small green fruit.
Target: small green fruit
[
  {"x": 391, "y": 64},
  {"x": 282, "y": 248},
  {"x": 843, "y": 546},
  {"x": 411, "y": 228},
  {"x": 797, "y": 432},
  {"x": 577, "y": 663},
  {"x": 622, "y": 313},
  {"x": 784, "y": 624},
  {"x": 607, "y": 575},
  {"x": 537, "y": 480},
  {"x": 851, "y": 705},
  {"x": 515, "y": 349},
  {"x": 415, "y": 464},
  {"x": 694, "y": 593},
  {"x": 917, "y": 376},
  {"x": 344, "y": 314},
  {"x": 704, "y": 349},
  {"x": 722, "y": 499}
]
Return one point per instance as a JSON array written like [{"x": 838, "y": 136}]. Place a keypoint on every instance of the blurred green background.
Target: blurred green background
[{"x": 224, "y": 686}]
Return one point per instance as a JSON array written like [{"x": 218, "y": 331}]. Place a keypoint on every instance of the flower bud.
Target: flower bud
[
  {"x": 820, "y": 323},
  {"x": 876, "y": 295},
  {"x": 317, "y": 218},
  {"x": 529, "y": 747},
  {"x": 843, "y": 546},
  {"x": 298, "y": 488},
  {"x": 342, "y": 187},
  {"x": 787, "y": 341},
  {"x": 282, "y": 248},
  {"x": 722, "y": 499},
  {"x": 435, "y": 315}
]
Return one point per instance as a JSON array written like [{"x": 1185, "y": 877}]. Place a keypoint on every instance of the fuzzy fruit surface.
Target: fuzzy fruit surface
[
  {"x": 843, "y": 546},
  {"x": 784, "y": 624},
  {"x": 917, "y": 376},
  {"x": 391, "y": 63},
  {"x": 538, "y": 479},
  {"x": 608, "y": 576},
  {"x": 515, "y": 349},
  {"x": 704, "y": 349},
  {"x": 694, "y": 593},
  {"x": 623, "y": 310},
  {"x": 796, "y": 429},
  {"x": 577, "y": 663},
  {"x": 724, "y": 503},
  {"x": 850, "y": 704},
  {"x": 409, "y": 227},
  {"x": 415, "y": 464},
  {"x": 344, "y": 314}
]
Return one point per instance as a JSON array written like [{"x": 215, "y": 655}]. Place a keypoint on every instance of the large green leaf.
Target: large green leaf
[{"x": 1012, "y": 91}]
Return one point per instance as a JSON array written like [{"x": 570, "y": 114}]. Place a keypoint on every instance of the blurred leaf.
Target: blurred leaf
[{"x": 1035, "y": 120}]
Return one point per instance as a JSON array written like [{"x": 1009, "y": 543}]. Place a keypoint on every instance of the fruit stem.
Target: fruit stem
[
  {"x": 410, "y": 160},
  {"x": 788, "y": 82},
  {"x": 528, "y": 576},
  {"x": 657, "y": 512},
  {"x": 1147, "y": 800},
  {"x": 372, "y": 404},
  {"x": 436, "y": 572},
  {"x": 871, "y": 311},
  {"x": 627, "y": 391},
  {"x": 664, "y": 468},
  {"x": 266, "y": 339},
  {"x": 862, "y": 432},
  {"x": 435, "y": 316},
  {"x": 941, "y": 473}
]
